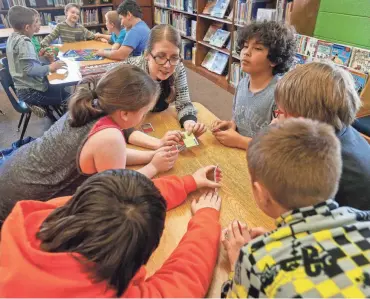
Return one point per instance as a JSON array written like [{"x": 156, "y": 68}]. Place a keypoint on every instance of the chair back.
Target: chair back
[{"x": 8, "y": 85}]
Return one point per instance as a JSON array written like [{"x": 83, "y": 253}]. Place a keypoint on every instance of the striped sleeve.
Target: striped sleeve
[
  {"x": 89, "y": 35},
  {"x": 52, "y": 36}
]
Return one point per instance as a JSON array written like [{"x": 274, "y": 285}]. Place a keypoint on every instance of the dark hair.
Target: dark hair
[
  {"x": 70, "y": 5},
  {"x": 20, "y": 16},
  {"x": 168, "y": 33},
  {"x": 125, "y": 87},
  {"x": 114, "y": 221},
  {"x": 277, "y": 37},
  {"x": 130, "y": 6}
]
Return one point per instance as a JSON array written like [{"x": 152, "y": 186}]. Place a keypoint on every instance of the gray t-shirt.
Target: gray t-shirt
[
  {"x": 253, "y": 111},
  {"x": 20, "y": 52}
]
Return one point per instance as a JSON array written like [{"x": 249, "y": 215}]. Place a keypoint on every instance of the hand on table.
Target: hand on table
[
  {"x": 229, "y": 137},
  {"x": 234, "y": 237},
  {"x": 164, "y": 158},
  {"x": 56, "y": 66},
  {"x": 207, "y": 200},
  {"x": 171, "y": 138},
  {"x": 99, "y": 53},
  {"x": 204, "y": 177},
  {"x": 222, "y": 125},
  {"x": 197, "y": 129}
]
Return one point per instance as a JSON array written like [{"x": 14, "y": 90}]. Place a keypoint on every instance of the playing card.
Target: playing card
[
  {"x": 190, "y": 140},
  {"x": 147, "y": 128},
  {"x": 215, "y": 174}
]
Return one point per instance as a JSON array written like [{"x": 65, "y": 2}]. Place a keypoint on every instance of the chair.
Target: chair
[{"x": 19, "y": 106}]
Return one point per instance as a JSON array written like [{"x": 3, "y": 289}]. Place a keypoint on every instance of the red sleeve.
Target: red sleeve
[
  {"x": 188, "y": 272},
  {"x": 175, "y": 189}
]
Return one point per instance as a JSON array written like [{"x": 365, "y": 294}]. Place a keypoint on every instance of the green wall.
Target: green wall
[{"x": 345, "y": 22}]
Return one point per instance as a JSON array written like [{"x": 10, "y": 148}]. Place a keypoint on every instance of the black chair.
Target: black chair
[{"x": 19, "y": 106}]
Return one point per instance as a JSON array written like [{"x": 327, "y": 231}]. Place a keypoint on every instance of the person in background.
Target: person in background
[
  {"x": 266, "y": 50},
  {"x": 318, "y": 250},
  {"x": 137, "y": 32},
  {"x": 25, "y": 67},
  {"x": 114, "y": 223},
  {"x": 162, "y": 61},
  {"x": 69, "y": 31},
  {"x": 116, "y": 33},
  {"x": 327, "y": 93},
  {"x": 87, "y": 139}
]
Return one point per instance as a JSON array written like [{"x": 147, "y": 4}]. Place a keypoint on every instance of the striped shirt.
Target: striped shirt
[
  {"x": 68, "y": 34},
  {"x": 184, "y": 107},
  {"x": 320, "y": 251}
]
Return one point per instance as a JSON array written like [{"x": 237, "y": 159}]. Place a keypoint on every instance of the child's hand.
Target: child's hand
[
  {"x": 207, "y": 200},
  {"x": 97, "y": 35},
  {"x": 56, "y": 66},
  {"x": 222, "y": 125},
  {"x": 234, "y": 237},
  {"x": 164, "y": 159},
  {"x": 171, "y": 138},
  {"x": 204, "y": 177},
  {"x": 196, "y": 128},
  {"x": 229, "y": 137},
  {"x": 99, "y": 53},
  {"x": 257, "y": 231},
  {"x": 103, "y": 40}
]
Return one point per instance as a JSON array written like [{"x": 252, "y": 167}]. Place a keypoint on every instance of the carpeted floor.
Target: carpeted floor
[{"x": 202, "y": 90}]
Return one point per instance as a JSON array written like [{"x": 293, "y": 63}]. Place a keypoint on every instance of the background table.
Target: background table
[
  {"x": 236, "y": 192},
  {"x": 74, "y": 75}
]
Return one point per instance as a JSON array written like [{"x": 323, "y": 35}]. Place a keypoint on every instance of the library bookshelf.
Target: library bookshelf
[{"x": 203, "y": 22}]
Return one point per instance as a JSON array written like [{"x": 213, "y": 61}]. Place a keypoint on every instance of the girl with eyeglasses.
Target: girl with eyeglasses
[{"x": 163, "y": 63}]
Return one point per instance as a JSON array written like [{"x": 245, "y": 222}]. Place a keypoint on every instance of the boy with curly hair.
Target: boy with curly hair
[{"x": 266, "y": 50}]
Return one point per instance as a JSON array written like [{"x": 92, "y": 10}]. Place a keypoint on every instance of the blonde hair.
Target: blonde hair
[
  {"x": 125, "y": 87},
  {"x": 114, "y": 18},
  {"x": 297, "y": 160},
  {"x": 321, "y": 91}
]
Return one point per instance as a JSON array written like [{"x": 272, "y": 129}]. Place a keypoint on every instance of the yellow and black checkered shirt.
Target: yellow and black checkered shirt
[{"x": 320, "y": 251}]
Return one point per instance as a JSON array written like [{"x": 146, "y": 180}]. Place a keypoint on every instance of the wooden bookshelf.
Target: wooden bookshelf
[{"x": 203, "y": 23}]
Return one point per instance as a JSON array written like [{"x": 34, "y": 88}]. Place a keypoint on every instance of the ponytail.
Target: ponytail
[{"x": 83, "y": 105}]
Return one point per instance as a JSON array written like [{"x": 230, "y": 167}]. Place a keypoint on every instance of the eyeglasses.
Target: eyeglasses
[
  {"x": 163, "y": 60},
  {"x": 277, "y": 112}
]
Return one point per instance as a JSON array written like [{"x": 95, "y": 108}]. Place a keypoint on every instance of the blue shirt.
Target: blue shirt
[
  {"x": 118, "y": 39},
  {"x": 137, "y": 37}
]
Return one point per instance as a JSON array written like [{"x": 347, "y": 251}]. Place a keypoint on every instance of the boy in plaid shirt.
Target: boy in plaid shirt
[{"x": 318, "y": 249}]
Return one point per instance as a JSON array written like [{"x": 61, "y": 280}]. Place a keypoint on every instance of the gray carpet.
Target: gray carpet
[{"x": 202, "y": 90}]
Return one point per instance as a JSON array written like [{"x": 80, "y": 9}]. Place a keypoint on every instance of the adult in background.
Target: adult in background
[{"x": 136, "y": 35}]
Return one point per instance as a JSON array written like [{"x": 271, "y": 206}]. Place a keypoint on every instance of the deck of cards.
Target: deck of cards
[
  {"x": 147, "y": 128},
  {"x": 187, "y": 142}
]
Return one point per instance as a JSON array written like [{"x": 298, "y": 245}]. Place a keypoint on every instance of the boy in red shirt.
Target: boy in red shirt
[{"x": 96, "y": 243}]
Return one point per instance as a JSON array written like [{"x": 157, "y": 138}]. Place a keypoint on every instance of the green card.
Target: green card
[{"x": 190, "y": 140}]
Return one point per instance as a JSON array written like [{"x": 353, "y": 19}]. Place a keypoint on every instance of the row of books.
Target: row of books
[
  {"x": 184, "y": 5},
  {"x": 89, "y": 16},
  {"x": 187, "y": 49},
  {"x": 185, "y": 24},
  {"x": 215, "y": 61},
  {"x": 216, "y": 8},
  {"x": 247, "y": 10},
  {"x": 216, "y": 36},
  {"x": 6, "y": 4},
  {"x": 45, "y": 18},
  {"x": 236, "y": 74},
  {"x": 320, "y": 50},
  {"x": 62, "y": 3},
  {"x": 5, "y": 20}
]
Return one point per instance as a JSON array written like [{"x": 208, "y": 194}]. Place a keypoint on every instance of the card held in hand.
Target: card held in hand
[
  {"x": 147, "y": 128},
  {"x": 190, "y": 140}
]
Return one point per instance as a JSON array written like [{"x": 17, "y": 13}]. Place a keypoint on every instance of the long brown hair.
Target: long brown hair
[
  {"x": 125, "y": 87},
  {"x": 169, "y": 33},
  {"x": 114, "y": 222}
]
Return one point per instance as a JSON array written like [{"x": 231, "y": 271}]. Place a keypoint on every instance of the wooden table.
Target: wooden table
[
  {"x": 5, "y": 33},
  {"x": 236, "y": 193},
  {"x": 74, "y": 76}
]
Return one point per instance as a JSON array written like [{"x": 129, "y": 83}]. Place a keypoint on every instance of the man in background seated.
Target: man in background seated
[{"x": 136, "y": 36}]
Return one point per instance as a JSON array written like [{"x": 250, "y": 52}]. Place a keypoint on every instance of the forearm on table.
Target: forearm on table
[
  {"x": 136, "y": 157},
  {"x": 148, "y": 170},
  {"x": 35, "y": 69},
  {"x": 243, "y": 142},
  {"x": 143, "y": 140}
]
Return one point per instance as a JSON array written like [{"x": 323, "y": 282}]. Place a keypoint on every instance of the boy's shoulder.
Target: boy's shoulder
[
  {"x": 141, "y": 27},
  {"x": 16, "y": 40}
]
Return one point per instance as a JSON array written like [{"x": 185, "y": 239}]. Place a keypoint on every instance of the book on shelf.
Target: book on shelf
[
  {"x": 186, "y": 49},
  {"x": 209, "y": 7},
  {"x": 246, "y": 10},
  {"x": 182, "y": 23},
  {"x": 341, "y": 54},
  {"x": 236, "y": 74},
  {"x": 360, "y": 79},
  {"x": 219, "y": 38},
  {"x": 161, "y": 16},
  {"x": 4, "y": 20},
  {"x": 323, "y": 51},
  {"x": 266, "y": 14},
  {"x": 215, "y": 61},
  {"x": 211, "y": 30},
  {"x": 311, "y": 47},
  {"x": 194, "y": 53},
  {"x": 220, "y": 8},
  {"x": 60, "y": 19},
  {"x": 360, "y": 60},
  {"x": 192, "y": 6},
  {"x": 194, "y": 29},
  {"x": 89, "y": 17},
  {"x": 299, "y": 59},
  {"x": 104, "y": 11},
  {"x": 281, "y": 6}
]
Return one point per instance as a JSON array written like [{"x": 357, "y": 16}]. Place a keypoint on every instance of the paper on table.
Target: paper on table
[{"x": 73, "y": 74}]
